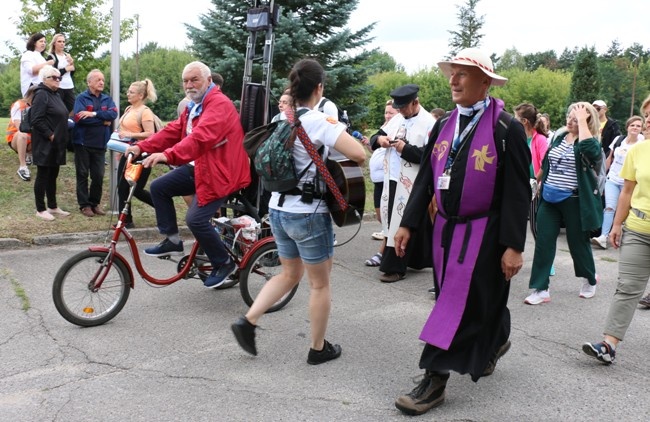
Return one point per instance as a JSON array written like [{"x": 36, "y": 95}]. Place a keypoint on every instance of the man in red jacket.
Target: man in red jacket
[{"x": 206, "y": 142}]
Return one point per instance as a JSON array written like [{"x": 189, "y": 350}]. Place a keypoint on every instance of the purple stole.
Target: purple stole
[{"x": 468, "y": 230}]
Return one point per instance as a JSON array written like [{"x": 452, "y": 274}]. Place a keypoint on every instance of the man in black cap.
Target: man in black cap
[{"x": 404, "y": 138}]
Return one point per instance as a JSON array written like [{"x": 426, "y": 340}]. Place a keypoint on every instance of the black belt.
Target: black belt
[{"x": 297, "y": 192}]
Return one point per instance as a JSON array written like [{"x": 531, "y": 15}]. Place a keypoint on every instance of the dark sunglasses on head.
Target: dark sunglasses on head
[{"x": 56, "y": 78}]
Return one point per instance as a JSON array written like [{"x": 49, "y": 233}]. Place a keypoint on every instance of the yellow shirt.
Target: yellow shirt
[{"x": 635, "y": 168}]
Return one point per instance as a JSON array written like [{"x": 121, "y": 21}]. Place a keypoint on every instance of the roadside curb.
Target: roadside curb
[
  {"x": 140, "y": 235},
  {"x": 143, "y": 234}
]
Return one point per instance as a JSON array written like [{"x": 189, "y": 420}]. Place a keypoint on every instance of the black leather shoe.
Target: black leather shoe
[
  {"x": 489, "y": 370},
  {"x": 330, "y": 352},
  {"x": 245, "y": 334}
]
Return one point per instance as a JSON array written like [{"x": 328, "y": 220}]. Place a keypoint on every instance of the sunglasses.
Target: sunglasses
[{"x": 56, "y": 78}]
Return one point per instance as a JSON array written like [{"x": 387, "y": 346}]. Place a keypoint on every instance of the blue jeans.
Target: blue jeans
[
  {"x": 89, "y": 162},
  {"x": 612, "y": 192},
  {"x": 180, "y": 182},
  {"x": 308, "y": 236}
]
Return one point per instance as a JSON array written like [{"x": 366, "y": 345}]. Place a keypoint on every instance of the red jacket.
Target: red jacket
[{"x": 215, "y": 145}]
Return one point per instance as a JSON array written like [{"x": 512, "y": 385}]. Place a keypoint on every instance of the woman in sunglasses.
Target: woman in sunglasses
[
  {"x": 49, "y": 118},
  {"x": 568, "y": 194}
]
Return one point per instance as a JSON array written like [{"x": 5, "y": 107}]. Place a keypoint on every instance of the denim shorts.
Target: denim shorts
[{"x": 308, "y": 236}]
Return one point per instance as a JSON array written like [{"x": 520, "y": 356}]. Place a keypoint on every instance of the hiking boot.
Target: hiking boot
[
  {"x": 492, "y": 364},
  {"x": 601, "y": 351},
  {"x": 97, "y": 210},
  {"x": 645, "y": 301},
  {"x": 330, "y": 352},
  {"x": 391, "y": 278},
  {"x": 23, "y": 173},
  {"x": 219, "y": 275},
  {"x": 245, "y": 334},
  {"x": 537, "y": 297},
  {"x": 428, "y": 394},
  {"x": 600, "y": 241},
  {"x": 165, "y": 248}
]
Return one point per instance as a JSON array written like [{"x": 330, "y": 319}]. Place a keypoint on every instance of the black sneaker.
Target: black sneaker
[
  {"x": 245, "y": 334},
  {"x": 489, "y": 370},
  {"x": 165, "y": 248},
  {"x": 601, "y": 351},
  {"x": 645, "y": 301},
  {"x": 330, "y": 352},
  {"x": 428, "y": 394}
]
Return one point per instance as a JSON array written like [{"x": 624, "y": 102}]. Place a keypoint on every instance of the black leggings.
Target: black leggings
[
  {"x": 45, "y": 186},
  {"x": 123, "y": 188}
]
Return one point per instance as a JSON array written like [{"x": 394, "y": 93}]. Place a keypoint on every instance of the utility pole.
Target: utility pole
[
  {"x": 635, "y": 62},
  {"x": 137, "y": 46}
]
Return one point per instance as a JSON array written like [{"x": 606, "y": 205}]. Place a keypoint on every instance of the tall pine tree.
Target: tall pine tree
[
  {"x": 469, "y": 24},
  {"x": 585, "y": 81},
  {"x": 305, "y": 29}
]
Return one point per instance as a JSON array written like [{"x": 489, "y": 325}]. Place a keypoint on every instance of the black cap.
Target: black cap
[{"x": 404, "y": 95}]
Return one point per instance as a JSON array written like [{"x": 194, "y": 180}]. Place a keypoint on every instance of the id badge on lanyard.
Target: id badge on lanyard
[{"x": 443, "y": 181}]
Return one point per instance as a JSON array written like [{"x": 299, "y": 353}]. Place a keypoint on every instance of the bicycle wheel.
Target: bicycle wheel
[
  {"x": 262, "y": 265},
  {"x": 74, "y": 294}
]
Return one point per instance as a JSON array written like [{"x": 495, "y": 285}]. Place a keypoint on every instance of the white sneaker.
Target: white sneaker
[
  {"x": 23, "y": 173},
  {"x": 600, "y": 241},
  {"x": 378, "y": 235},
  {"x": 45, "y": 215},
  {"x": 29, "y": 159},
  {"x": 587, "y": 291},
  {"x": 58, "y": 211},
  {"x": 537, "y": 297}
]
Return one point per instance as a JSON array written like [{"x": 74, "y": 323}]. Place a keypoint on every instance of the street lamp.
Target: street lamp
[{"x": 636, "y": 70}]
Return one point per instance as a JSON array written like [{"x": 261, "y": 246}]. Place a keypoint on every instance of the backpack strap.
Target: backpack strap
[{"x": 321, "y": 105}]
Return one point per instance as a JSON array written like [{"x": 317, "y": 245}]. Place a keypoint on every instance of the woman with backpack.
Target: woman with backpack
[
  {"x": 614, "y": 183},
  {"x": 569, "y": 194},
  {"x": 302, "y": 227},
  {"x": 137, "y": 123}
]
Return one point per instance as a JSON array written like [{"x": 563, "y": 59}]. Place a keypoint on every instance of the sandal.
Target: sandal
[{"x": 375, "y": 261}]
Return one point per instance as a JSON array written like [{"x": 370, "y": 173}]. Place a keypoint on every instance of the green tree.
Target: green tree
[
  {"x": 567, "y": 59},
  {"x": 86, "y": 30},
  {"x": 547, "y": 59},
  {"x": 380, "y": 61},
  {"x": 305, "y": 29},
  {"x": 164, "y": 68},
  {"x": 468, "y": 34},
  {"x": 585, "y": 82},
  {"x": 512, "y": 59},
  {"x": 545, "y": 89},
  {"x": 85, "y": 27}
]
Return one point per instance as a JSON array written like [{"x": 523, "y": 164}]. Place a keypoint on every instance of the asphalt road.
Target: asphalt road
[{"x": 170, "y": 354}]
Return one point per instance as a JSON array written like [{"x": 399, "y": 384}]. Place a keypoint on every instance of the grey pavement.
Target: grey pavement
[{"x": 170, "y": 354}]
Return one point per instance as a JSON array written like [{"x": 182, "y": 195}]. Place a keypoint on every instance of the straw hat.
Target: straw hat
[{"x": 473, "y": 57}]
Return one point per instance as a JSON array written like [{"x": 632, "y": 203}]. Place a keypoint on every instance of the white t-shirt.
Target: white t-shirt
[
  {"x": 28, "y": 60},
  {"x": 376, "y": 165},
  {"x": 330, "y": 109},
  {"x": 322, "y": 132},
  {"x": 16, "y": 112},
  {"x": 66, "y": 82},
  {"x": 617, "y": 162}
]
